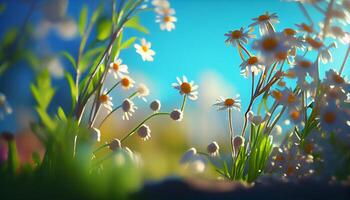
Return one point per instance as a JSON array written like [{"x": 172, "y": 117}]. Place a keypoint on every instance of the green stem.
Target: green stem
[
  {"x": 12, "y": 157},
  {"x": 344, "y": 61},
  {"x": 231, "y": 134},
  {"x": 100, "y": 148},
  {"x": 183, "y": 103},
  {"x": 115, "y": 85},
  {"x": 138, "y": 126}
]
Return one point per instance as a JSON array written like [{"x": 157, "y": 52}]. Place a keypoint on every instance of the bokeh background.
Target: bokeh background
[{"x": 195, "y": 48}]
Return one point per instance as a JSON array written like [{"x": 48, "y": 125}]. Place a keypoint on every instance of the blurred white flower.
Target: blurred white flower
[
  {"x": 117, "y": 68},
  {"x": 142, "y": 92},
  {"x": 5, "y": 108},
  {"x": 324, "y": 53},
  {"x": 67, "y": 29},
  {"x": 167, "y": 22},
  {"x": 145, "y": 50},
  {"x": 188, "y": 155},
  {"x": 55, "y": 67},
  {"x": 186, "y": 88}
]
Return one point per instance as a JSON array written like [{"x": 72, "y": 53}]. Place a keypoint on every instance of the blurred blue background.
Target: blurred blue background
[{"x": 195, "y": 48}]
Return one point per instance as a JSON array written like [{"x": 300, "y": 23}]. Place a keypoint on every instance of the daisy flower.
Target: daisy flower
[
  {"x": 160, "y": 3},
  {"x": 301, "y": 67},
  {"x": 106, "y": 101},
  {"x": 252, "y": 64},
  {"x": 337, "y": 32},
  {"x": 117, "y": 68},
  {"x": 295, "y": 116},
  {"x": 290, "y": 37},
  {"x": 340, "y": 15},
  {"x": 305, "y": 28},
  {"x": 272, "y": 47},
  {"x": 188, "y": 155},
  {"x": 213, "y": 148},
  {"x": 127, "y": 82},
  {"x": 228, "y": 103},
  {"x": 186, "y": 88},
  {"x": 334, "y": 79},
  {"x": 238, "y": 36},
  {"x": 323, "y": 51},
  {"x": 288, "y": 98},
  {"x": 167, "y": 22},
  {"x": 265, "y": 23},
  {"x": 128, "y": 108},
  {"x": 334, "y": 119},
  {"x": 142, "y": 92},
  {"x": 255, "y": 119},
  {"x": 144, "y": 132},
  {"x": 145, "y": 50},
  {"x": 335, "y": 95},
  {"x": 5, "y": 108},
  {"x": 115, "y": 144}
]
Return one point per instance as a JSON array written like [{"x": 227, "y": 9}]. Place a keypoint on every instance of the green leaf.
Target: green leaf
[
  {"x": 45, "y": 118},
  {"x": 42, "y": 91},
  {"x": 104, "y": 28},
  {"x": 72, "y": 87},
  {"x": 70, "y": 58},
  {"x": 127, "y": 43},
  {"x": 61, "y": 114},
  {"x": 83, "y": 20},
  {"x": 134, "y": 23}
]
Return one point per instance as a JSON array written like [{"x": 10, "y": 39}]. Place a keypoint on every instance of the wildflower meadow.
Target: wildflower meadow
[{"x": 175, "y": 99}]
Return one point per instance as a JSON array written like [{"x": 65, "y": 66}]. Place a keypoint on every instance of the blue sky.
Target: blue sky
[{"x": 195, "y": 48}]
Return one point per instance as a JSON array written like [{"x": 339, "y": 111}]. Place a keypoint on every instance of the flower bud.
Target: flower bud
[
  {"x": 126, "y": 105},
  {"x": 176, "y": 115},
  {"x": 115, "y": 144},
  {"x": 238, "y": 141},
  {"x": 213, "y": 148},
  {"x": 155, "y": 105},
  {"x": 144, "y": 132}
]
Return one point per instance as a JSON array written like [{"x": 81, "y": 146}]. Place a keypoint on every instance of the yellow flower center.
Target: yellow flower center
[
  {"x": 282, "y": 55},
  {"x": 281, "y": 83},
  {"x": 252, "y": 60},
  {"x": 308, "y": 148},
  {"x": 294, "y": 115},
  {"x": 304, "y": 64},
  {"x": 236, "y": 34},
  {"x": 185, "y": 88},
  {"x": 229, "y": 102},
  {"x": 167, "y": 19},
  {"x": 290, "y": 74},
  {"x": 315, "y": 44},
  {"x": 290, "y": 170},
  {"x": 329, "y": 117},
  {"x": 144, "y": 48},
  {"x": 125, "y": 82},
  {"x": 291, "y": 98},
  {"x": 115, "y": 66},
  {"x": 277, "y": 95},
  {"x": 338, "y": 79},
  {"x": 307, "y": 28},
  {"x": 338, "y": 14},
  {"x": 269, "y": 44},
  {"x": 104, "y": 98},
  {"x": 262, "y": 18},
  {"x": 289, "y": 32},
  {"x": 279, "y": 158}
]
